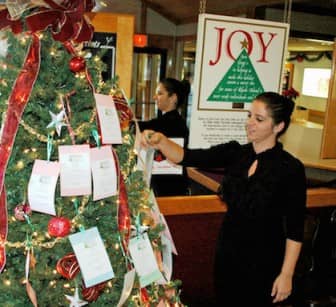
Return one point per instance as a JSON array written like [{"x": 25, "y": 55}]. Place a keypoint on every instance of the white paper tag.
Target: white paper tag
[
  {"x": 75, "y": 170},
  {"x": 42, "y": 185},
  {"x": 144, "y": 260},
  {"x": 92, "y": 257},
  {"x": 104, "y": 172},
  {"x": 108, "y": 119}
]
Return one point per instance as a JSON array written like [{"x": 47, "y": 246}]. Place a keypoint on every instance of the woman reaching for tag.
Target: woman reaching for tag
[
  {"x": 169, "y": 97},
  {"x": 264, "y": 188}
]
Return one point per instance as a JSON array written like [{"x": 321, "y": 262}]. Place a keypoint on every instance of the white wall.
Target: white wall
[{"x": 309, "y": 102}]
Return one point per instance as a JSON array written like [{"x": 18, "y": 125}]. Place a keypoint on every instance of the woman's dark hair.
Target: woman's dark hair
[
  {"x": 174, "y": 86},
  {"x": 280, "y": 108}
]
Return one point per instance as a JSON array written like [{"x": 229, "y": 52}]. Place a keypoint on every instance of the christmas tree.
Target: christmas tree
[
  {"x": 48, "y": 84},
  {"x": 240, "y": 84}
]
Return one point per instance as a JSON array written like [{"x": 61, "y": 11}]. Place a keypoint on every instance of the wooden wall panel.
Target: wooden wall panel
[
  {"x": 328, "y": 146},
  {"x": 123, "y": 26}
]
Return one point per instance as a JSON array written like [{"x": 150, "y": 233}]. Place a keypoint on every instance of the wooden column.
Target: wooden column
[
  {"x": 328, "y": 146},
  {"x": 123, "y": 26}
]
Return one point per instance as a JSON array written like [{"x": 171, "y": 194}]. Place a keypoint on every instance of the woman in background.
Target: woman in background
[
  {"x": 264, "y": 188},
  {"x": 169, "y": 96}
]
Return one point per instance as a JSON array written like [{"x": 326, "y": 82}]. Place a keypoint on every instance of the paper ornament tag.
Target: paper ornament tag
[
  {"x": 92, "y": 257},
  {"x": 144, "y": 260}
]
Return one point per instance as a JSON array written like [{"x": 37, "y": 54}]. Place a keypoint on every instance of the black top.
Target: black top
[
  {"x": 263, "y": 210},
  {"x": 172, "y": 125}
]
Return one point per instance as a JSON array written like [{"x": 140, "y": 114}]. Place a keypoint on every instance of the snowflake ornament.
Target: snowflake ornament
[
  {"x": 57, "y": 121},
  {"x": 75, "y": 301}
]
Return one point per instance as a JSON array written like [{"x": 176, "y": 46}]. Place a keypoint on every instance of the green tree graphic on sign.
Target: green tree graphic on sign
[{"x": 240, "y": 84}]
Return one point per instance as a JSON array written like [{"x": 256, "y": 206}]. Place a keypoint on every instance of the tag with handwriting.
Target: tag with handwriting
[
  {"x": 108, "y": 119},
  {"x": 92, "y": 256},
  {"x": 42, "y": 185},
  {"x": 144, "y": 260},
  {"x": 104, "y": 173},
  {"x": 75, "y": 170}
]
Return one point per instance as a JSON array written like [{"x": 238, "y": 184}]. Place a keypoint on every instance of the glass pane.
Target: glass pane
[{"x": 147, "y": 77}]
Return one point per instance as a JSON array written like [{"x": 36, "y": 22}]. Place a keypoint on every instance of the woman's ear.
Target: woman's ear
[
  {"x": 173, "y": 98},
  {"x": 279, "y": 127}
]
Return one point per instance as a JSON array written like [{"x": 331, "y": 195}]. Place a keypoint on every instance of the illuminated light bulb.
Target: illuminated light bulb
[
  {"x": 66, "y": 286},
  {"x": 20, "y": 165},
  {"x": 7, "y": 282},
  {"x": 96, "y": 59},
  {"x": 34, "y": 149},
  {"x": 52, "y": 283},
  {"x": 116, "y": 246},
  {"x": 26, "y": 150},
  {"x": 54, "y": 272},
  {"x": 109, "y": 284}
]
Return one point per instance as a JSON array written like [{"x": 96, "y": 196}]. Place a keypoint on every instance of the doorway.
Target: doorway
[{"x": 149, "y": 65}]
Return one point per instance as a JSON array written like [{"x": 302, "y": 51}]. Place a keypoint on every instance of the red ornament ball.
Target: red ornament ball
[
  {"x": 77, "y": 64},
  {"x": 59, "y": 226},
  {"x": 21, "y": 210}
]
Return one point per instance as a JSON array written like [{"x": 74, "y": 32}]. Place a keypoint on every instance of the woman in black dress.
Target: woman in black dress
[
  {"x": 264, "y": 188},
  {"x": 169, "y": 96}
]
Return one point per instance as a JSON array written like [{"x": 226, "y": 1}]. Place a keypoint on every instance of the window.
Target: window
[{"x": 316, "y": 82}]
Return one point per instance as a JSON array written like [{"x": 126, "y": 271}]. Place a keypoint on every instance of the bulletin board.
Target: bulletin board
[{"x": 122, "y": 26}]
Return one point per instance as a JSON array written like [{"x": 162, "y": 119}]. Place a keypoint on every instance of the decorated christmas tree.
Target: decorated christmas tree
[{"x": 53, "y": 236}]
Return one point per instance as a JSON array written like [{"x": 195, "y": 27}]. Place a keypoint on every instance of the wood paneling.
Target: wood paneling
[
  {"x": 183, "y": 205},
  {"x": 123, "y": 26},
  {"x": 328, "y": 147}
]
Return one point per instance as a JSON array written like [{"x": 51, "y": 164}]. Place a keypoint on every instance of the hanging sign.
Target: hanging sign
[{"x": 236, "y": 59}]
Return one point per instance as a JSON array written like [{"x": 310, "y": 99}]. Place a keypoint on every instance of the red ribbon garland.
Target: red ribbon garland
[
  {"x": 16, "y": 104},
  {"x": 67, "y": 20},
  {"x": 5, "y": 22}
]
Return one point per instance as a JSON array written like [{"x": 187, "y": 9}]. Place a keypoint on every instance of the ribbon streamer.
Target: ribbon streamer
[
  {"x": 16, "y": 104},
  {"x": 30, "y": 290}
]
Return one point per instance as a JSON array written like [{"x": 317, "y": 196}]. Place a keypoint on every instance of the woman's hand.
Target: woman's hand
[
  {"x": 157, "y": 140},
  {"x": 282, "y": 287},
  {"x": 151, "y": 139}
]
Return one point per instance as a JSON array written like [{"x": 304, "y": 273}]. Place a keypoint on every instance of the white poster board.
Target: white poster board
[{"x": 236, "y": 59}]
